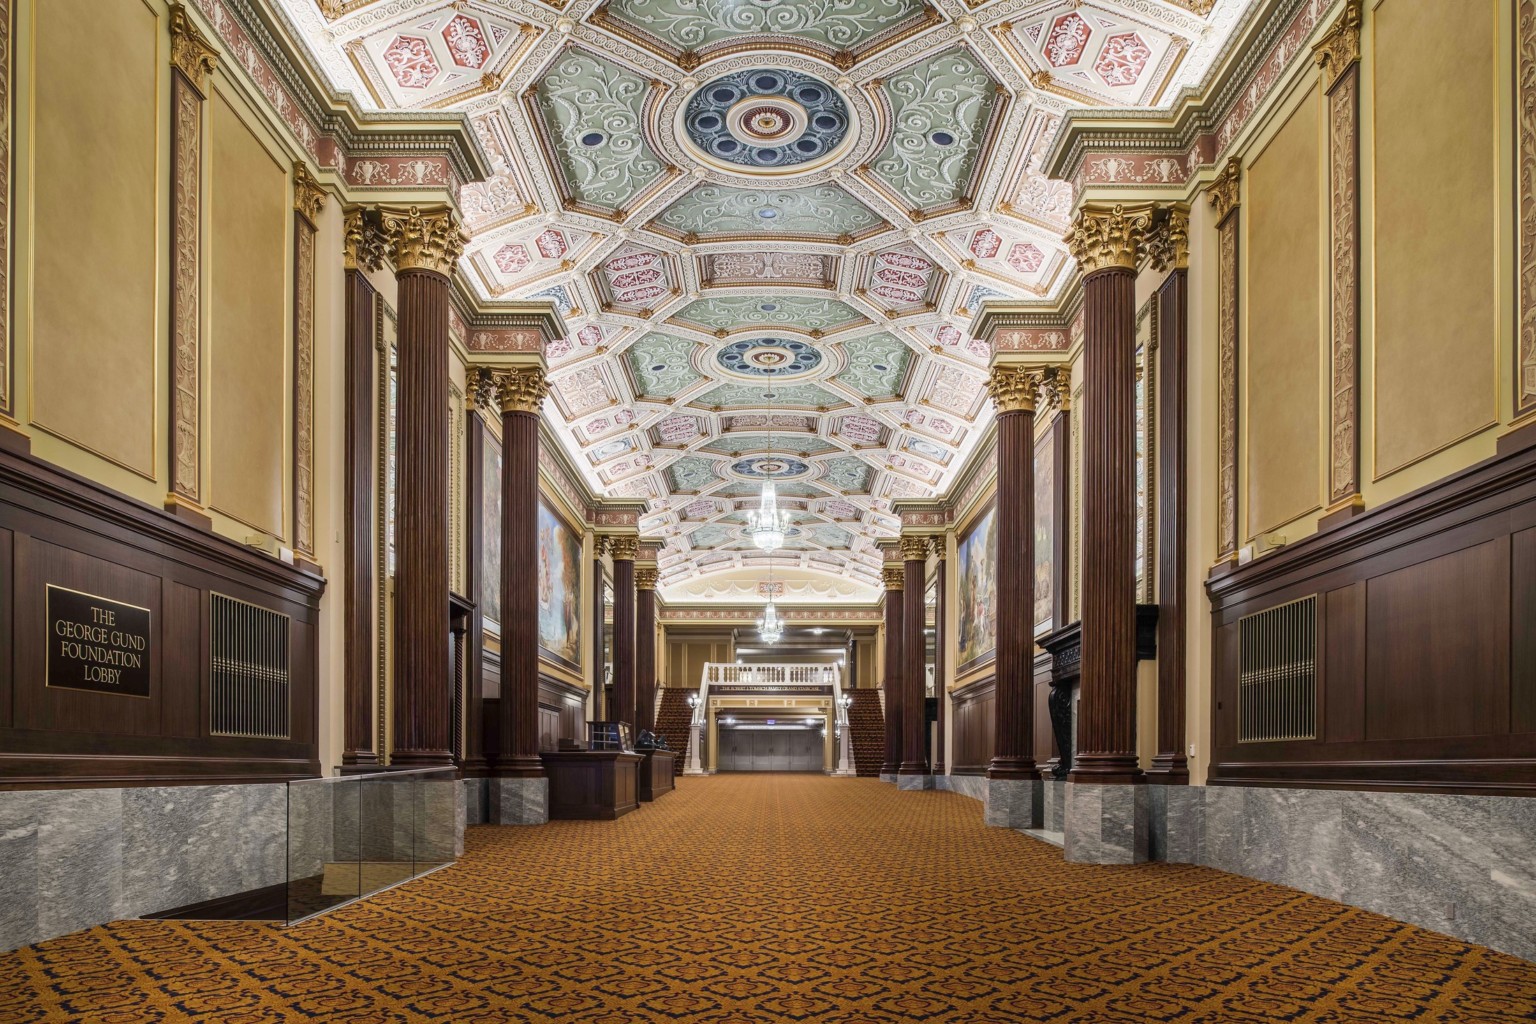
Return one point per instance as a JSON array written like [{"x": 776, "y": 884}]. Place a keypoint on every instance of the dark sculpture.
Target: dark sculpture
[{"x": 1060, "y": 705}]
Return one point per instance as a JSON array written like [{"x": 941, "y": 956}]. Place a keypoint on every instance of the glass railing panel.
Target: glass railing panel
[
  {"x": 388, "y": 834},
  {"x": 437, "y": 810},
  {"x": 323, "y": 865}
]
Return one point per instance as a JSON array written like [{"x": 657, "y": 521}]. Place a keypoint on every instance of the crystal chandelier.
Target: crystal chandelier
[
  {"x": 770, "y": 628},
  {"x": 767, "y": 524}
]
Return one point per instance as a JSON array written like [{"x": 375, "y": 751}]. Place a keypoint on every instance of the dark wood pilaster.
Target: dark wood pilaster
[
  {"x": 624, "y": 550},
  {"x": 893, "y": 670},
  {"x": 1169, "y": 764},
  {"x": 914, "y": 720},
  {"x": 472, "y": 760},
  {"x": 599, "y": 629},
  {"x": 645, "y": 649},
  {"x": 521, "y": 391},
  {"x": 1107, "y": 244},
  {"x": 357, "y": 570},
  {"x": 1014, "y": 389},
  {"x": 940, "y": 638}
]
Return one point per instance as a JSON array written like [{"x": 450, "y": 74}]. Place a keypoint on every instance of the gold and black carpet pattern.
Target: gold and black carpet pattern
[{"x": 796, "y": 899}]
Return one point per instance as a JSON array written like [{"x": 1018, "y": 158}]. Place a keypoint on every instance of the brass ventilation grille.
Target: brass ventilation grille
[
  {"x": 250, "y": 694},
  {"x": 1277, "y": 673}
]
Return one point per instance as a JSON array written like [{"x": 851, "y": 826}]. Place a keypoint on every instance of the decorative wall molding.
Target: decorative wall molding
[
  {"x": 7, "y": 35},
  {"x": 1338, "y": 53},
  {"x": 1224, "y": 197},
  {"x": 1525, "y": 181},
  {"x": 308, "y": 200}
]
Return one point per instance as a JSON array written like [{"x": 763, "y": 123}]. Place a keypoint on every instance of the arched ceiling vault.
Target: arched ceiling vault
[{"x": 736, "y": 199}]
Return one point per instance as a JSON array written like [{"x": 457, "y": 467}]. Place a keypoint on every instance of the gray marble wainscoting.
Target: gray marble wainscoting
[
  {"x": 1013, "y": 803},
  {"x": 474, "y": 802},
  {"x": 518, "y": 801},
  {"x": 973, "y": 786},
  {"x": 1461, "y": 865},
  {"x": 1175, "y": 815},
  {"x": 1107, "y": 824},
  {"x": 1055, "y": 816},
  {"x": 76, "y": 858},
  {"x": 914, "y": 782},
  {"x": 887, "y": 776}
]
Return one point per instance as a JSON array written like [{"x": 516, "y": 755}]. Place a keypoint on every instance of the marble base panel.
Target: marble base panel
[
  {"x": 914, "y": 782},
  {"x": 474, "y": 802},
  {"x": 1055, "y": 812},
  {"x": 1013, "y": 803},
  {"x": 1175, "y": 815},
  {"x": 973, "y": 786},
  {"x": 888, "y": 777},
  {"x": 517, "y": 801},
  {"x": 1107, "y": 824},
  {"x": 76, "y": 858}
]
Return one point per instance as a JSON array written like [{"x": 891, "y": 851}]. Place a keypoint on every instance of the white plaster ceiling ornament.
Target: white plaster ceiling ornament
[{"x": 887, "y": 182}]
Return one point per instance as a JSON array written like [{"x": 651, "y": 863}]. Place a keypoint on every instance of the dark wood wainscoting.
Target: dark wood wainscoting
[
  {"x": 1425, "y": 641},
  {"x": 62, "y": 531},
  {"x": 974, "y": 707},
  {"x": 562, "y": 708}
]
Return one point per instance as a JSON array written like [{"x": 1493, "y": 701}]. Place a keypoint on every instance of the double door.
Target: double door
[{"x": 770, "y": 750}]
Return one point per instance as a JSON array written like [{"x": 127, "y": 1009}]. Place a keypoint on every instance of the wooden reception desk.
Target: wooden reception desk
[
  {"x": 592, "y": 784},
  {"x": 657, "y": 773}
]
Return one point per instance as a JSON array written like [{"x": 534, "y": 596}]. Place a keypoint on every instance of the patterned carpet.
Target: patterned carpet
[{"x": 804, "y": 899}]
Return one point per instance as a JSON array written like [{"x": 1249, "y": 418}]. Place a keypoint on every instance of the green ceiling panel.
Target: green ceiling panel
[
  {"x": 692, "y": 25},
  {"x": 821, "y": 211},
  {"x": 736, "y": 312},
  {"x": 832, "y": 537},
  {"x": 791, "y": 490},
  {"x": 877, "y": 365},
  {"x": 592, "y": 110},
  {"x": 940, "y": 110},
  {"x": 750, "y": 396},
  {"x": 848, "y": 474},
  {"x": 711, "y": 535},
  {"x": 691, "y": 473},
  {"x": 659, "y": 363},
  {"x": 737, "y": 444}
]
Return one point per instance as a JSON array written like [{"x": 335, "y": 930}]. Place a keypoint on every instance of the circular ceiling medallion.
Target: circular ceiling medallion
[
  {"x": 768, "y": 357},
  {"x": 763, "y": 120},
  {"x": 760, "y": 467}
]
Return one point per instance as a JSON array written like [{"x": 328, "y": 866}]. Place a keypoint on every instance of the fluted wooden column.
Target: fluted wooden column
[
  {"x": 599, "y": 629},
  {"x": 624, "y": 550},
  {"x": 362, "y": 251},
  {"x": 645, "y": 649},
  {"x": 424, "y": 245},
  {"x": 893, "y": 575},
  {"x": 520, "y": 391},
  {"x": 914, "y": 720},
  {"x": 1170, "y": 765},
  {"x": 940, "y": 638},
  {"x": 1106, "y": 242},
  {"x": 1013, "y": 390}
]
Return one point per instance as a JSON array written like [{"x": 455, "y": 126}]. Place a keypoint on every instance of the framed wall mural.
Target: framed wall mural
[
  {"x": 977, "y": 592},
  {"x": 559, "y": 578},
  {"x": 490, "y": 532}
]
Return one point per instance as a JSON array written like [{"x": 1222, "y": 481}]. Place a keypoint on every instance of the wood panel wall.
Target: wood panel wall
[{"x": 974, "y": 708}]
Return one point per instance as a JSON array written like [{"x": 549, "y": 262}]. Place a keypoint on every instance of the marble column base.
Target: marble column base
[
  {"x": 1055, "y": 805},
  {"x": 517, "y": 801},
  {"x": 973, "y": 786},
  {"x": 887, "y": 776},
  {"x": 474, "y": 802},
  {"x": 914, "y": 782},
  {"x": 1175, "y": 816},
  {"x": 1013, "y": 803},
  {"x": 1107, "y": 824}
]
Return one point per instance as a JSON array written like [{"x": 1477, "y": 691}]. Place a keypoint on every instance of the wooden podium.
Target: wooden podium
[{"x": 596, "y": 785}]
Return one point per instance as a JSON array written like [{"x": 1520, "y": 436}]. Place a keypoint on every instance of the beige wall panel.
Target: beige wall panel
[
  {"x": 1436, "y": 226},
  {"x": 249, "y": 215},
  {"x": 1283, "y": 299},
  {"x": 95, "y": 193}
]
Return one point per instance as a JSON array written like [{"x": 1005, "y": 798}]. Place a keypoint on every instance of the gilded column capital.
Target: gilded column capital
[
  {"x": 940, "y": 548},
  {"x": 1168, "y": 244},
  {"x": 1109, "y": 236},
  {"x": 1339, "y": 48},
  {"x": 1056, "y": 387},
  {"x": 1013, "y": 388},
  {"x": 893, "y": 576},
  {"x": 645, "y": 579},
  {"x": 422, "y": 239},
  {"x": 521, "y": 389},
  {"x": 480, "y": 386},
  {"x": 308, "y": 195},
  {"x": 599, "y": 545},
  {"x": 191, "y": 52},
  {"x": 914, "y": 548},
  {"x": 623, "y": 548},
  {"x": 1224, "y": 190},
  {"x": 362, "y": 243}
]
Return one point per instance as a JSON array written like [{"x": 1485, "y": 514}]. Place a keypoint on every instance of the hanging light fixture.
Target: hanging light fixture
[
  {"x": 770, "y": 628},
  {"x": 767, "y": 524}
]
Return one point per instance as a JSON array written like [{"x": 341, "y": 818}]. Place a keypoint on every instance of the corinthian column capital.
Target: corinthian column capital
[
  {"x": 1109, "y": 236},
  {"x": 420, "y": 239},
  {"x": 362, "y": 243},
  {"x": 191, "y": 52},
  {"x": 914, "y": 548},
  {"x": 893, "y": 576},
  {"x": 1224, "y": 191},
  {"x": 1339, "y": 49},
  {"x": 623, "y": 548},
  {"x": 1013, "y": 388},
  {"x": 1168, "y": 244},
  {"x": 521, "y": 389},
  {"x": 645, "y": 579}
]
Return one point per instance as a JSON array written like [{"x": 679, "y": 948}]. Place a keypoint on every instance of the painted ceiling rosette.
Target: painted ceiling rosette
[{"x": 875, "y": 251}]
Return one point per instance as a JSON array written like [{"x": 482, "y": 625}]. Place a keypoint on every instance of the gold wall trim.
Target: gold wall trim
[
  {"x": 303, "y": 384},
  {"x": 1226, "y": 386},
  {"x": 186, "y": 286},
  {"x": 1344, "y": 284},
  {"x": 1525, "y": 181},
  {"x": 7, "y": 67}
]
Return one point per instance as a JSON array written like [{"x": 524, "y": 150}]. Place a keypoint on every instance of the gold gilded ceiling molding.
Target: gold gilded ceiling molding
[
  {"x": 191, "y": 52},
  {"x": 1014, "y": 388},
  {"x": 363, "y": 245},
  {"x": 1339, "y": 48},
  {"x": 1104, "y": 237},
  {"x": 1225, "y": 190},
  {"x": 1168, "y": 244},
  {"x": 423, "y": 239},
  {"x": 521, "y": 389},
  {"x": 308, "y": 194}
]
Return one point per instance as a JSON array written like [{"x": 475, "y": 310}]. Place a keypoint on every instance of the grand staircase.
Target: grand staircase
[
  {"x": 672, "y": 721},
  {"x": 866, "y": 724}
]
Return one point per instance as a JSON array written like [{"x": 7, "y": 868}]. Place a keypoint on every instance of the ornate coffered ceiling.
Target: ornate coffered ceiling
[{"x": 767, "y": 223}]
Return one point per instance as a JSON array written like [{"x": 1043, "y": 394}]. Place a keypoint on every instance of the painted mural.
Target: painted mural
[
  {"x": 490, "y": 532},
  {"x": 978, "y": 592},
  {"x": 1045, "y": 530},
  {"x": 559, "y": 590}
]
